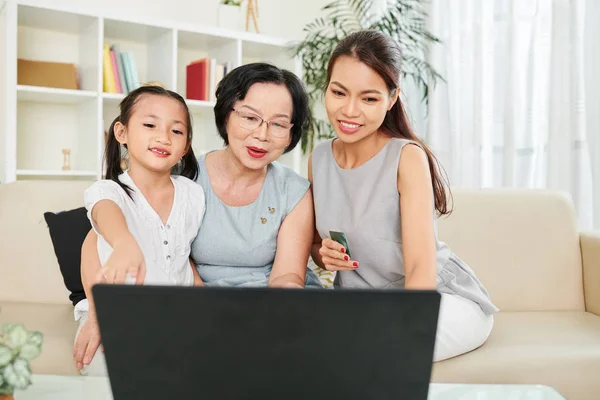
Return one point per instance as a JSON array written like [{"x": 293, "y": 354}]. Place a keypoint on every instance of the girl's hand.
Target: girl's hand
[
  {"x": 87, "y": 343},
  {"x": 126, "y": 259},
  {"x": 334, "y": 256}
]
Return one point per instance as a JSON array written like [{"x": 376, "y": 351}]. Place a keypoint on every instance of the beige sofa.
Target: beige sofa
[{"x": 523, "y": 244}]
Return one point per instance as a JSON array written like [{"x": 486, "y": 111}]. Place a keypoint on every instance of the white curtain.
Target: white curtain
[{"x": 515, "y": 108}]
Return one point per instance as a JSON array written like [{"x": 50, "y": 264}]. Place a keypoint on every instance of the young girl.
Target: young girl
[
  {"x": 381, "y": 186},
  {"x": 160, "y": 212}
]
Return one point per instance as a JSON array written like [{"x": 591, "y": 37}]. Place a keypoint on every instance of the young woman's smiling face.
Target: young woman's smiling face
[{"x": 357, "y": 99}]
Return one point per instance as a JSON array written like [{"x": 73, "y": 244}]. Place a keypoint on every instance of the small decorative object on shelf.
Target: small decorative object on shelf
[
  {"x": 66, "y": 159},
  {"x": 230, "y": 14},
  {"x": 17, "y": 348},
  {"x": 252, "y": 12}
]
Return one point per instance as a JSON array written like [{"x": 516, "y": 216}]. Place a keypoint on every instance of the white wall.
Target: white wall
[{"x": 283, "y": 18}]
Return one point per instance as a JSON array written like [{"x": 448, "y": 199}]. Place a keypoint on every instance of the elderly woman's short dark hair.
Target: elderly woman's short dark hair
[{"x": 235, "y": 85}]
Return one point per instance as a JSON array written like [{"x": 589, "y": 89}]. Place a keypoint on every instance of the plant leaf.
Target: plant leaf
[
  {"x": 6, "y": 328},
  {"x": 18, "y": 374},
  {"x": 5, "y": 356},
  {"x": 17, "y": 336},
  {"x": 30, "y": 351},
  {"x": 35, "y": 338}
]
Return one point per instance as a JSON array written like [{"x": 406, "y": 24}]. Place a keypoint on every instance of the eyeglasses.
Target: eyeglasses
[{"x": 250, "y": 121}]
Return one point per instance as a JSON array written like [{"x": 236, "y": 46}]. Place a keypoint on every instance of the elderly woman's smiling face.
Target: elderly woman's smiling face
[{"x": 259, "y": 126}]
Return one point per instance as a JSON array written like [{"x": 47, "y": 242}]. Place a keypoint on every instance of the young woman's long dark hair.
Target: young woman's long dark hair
[
  {"x": 382, "y": 54},
  {"x": 188, "y": 166}
]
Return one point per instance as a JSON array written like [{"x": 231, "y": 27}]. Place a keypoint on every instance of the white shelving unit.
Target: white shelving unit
[{"x": 36, "y": 123}]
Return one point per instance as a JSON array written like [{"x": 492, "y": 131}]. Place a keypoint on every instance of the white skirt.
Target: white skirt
[{"x": 462, "y": 327}]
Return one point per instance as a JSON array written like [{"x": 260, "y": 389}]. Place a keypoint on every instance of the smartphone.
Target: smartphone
[{"x": 340, "y": 237}]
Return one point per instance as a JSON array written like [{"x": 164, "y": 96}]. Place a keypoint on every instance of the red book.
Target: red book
[{"x": 196, "y": 84}]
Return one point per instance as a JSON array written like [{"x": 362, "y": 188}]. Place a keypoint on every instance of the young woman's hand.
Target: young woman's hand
[
  {"x": 87, "y": 343},
  {"x": 126, "y": 260},
  {"x": 334, "y": 256}
]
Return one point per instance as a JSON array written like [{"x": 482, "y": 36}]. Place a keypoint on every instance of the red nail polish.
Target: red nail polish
[
  {"x": 343, "y": 250},
  {"x": 346, "y": 258},
  {"x": 355, "y": 264}
]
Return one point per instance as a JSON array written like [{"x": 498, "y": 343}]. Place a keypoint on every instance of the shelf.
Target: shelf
[
  {"x": 112, "y": 98},
  {"x": 41, "y": 172},
  {"x": 200, "y": 41},
  {"x": 132, "y": 32},
  {"x": 39, "y": 122},
  {"x": 53, "y": 20},
  {"x": 39, "y": 94},
  {"x": 200, "y": 105},
  {"x": 266, "y": 50}
]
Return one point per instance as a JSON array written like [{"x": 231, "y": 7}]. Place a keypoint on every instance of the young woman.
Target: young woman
[
  {"x": 160, "y": 212},
  {"x": 381, "y": 186},
  {"x": 259, "y": 222}
]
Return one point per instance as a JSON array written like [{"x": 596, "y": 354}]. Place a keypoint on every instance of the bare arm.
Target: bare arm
[
  {"x": 197, "y": 279},
  {"x": 88, "y": 340},
  {"x": 316, "y": 244},
  {"x": 326, "y": 253},
  {"x": 90, "y": 265},
  {"x": 127, "y": 257},
  {"x": 416, "y": 200},
  {"x": 293, "y": 245},
  {"x": 110, "y": 222}
]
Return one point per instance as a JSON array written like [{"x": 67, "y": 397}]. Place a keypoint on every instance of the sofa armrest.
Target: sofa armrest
[{"x": 590, "y": 254}]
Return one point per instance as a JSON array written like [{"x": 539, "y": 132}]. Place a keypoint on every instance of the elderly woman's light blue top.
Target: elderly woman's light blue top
[{"x": 236, "y": 246}]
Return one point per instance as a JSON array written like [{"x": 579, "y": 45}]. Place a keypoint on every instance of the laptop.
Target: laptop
[{"x": 232, "y": 343}]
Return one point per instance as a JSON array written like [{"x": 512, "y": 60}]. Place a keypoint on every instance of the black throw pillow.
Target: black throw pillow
[{"x": 68, "y": 230}]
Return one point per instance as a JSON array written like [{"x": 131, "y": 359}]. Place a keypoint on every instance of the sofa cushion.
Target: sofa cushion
[
  {"x": 68, "y": 230},
  {"x": 56, "y": 323},
  {"x": 519, "y": 241},
  {"x": 28, "y": 258},
  {"x": 558, "y": 349}
]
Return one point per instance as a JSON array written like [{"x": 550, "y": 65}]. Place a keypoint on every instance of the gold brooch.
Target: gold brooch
[{"x": 263, "y": 220}]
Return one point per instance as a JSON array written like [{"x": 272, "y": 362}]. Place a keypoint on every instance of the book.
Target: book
[
  {"x": 113, "y": 61},
  {"x": 197, "y": 80},
  {"x": 120, "y": 70},
  {"x": 108, "y": 81},
  {"x": 126, "y": 73},
  {"x": 135, "y": 81}
]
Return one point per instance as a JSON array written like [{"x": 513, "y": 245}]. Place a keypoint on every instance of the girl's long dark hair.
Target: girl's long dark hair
[
  {"x": 382, "y": 54},
  {"x": 112, "y": 155}
]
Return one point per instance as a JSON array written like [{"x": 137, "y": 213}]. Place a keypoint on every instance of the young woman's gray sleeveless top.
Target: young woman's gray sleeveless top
[{"x": 364, "y": 203}]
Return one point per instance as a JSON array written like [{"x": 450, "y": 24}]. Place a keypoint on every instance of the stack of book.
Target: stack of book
[
  {"x": 203, "y": 77},
  {"x": 120, "y": 73}
]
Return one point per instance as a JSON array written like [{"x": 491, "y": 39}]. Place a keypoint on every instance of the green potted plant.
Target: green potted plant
[
  {"x": 404, "y": 20},
  {"x": 230, "y": 14},
  {"x": 17, "y": 348}
]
